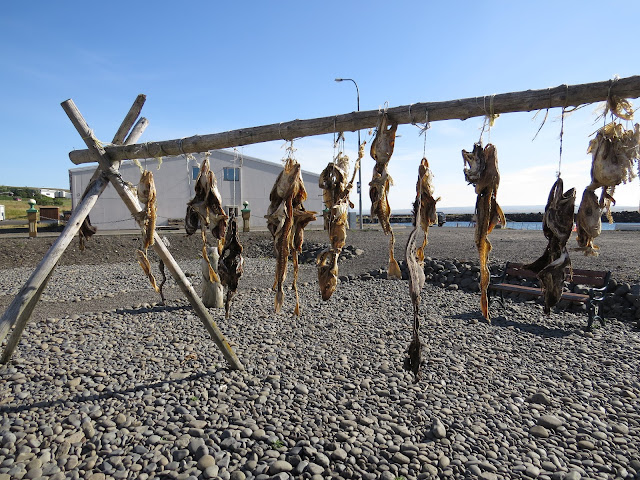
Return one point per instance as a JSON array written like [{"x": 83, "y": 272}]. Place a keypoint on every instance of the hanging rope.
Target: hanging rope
[
  {"x": 423, "y": 131},
  {"x": 561, "y": 135}
]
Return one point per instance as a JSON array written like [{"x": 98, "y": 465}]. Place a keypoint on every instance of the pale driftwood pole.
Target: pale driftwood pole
[
  {"x": 133, "y": 205},
  {"x": 525, "y": 101},
  {"x": 20, "y": 309},
  {"x": 129, "y": 120}
]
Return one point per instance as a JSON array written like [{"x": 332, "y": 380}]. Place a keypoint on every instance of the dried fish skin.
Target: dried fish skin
[
  {"x": 558, "y": 215},
  {"x": 614, "y": 151},
  {"x": 282, "y": 244},
  {"x": 301, "y": 218},
  {"x": 415, "y": 265},
  {"x": 148, "y": 196},
  {"x": 384, "y": 141},
  {"x": 378, "y": 191},
  {"x": 589, "y": 223},
  {"x": 86, "y": 232},
  {"x": 146, "y": 268},
  {"x": 336, "y": 188},
  {"x": 552, "y": 279},
  {"x": 557, "y": 226},
  {"x": 206, "y": 204},
  {"x": 381, "y": 151},
  {"x": 484, "y": 174},
  {"x": 286, "y": 219},
  {"x": 333, "y": 180},
  {"x": 474, "y": 164},
  {"x": 231, "y": 263},
  {"x": 426, "y": 203},
  {"x": 338, "y": 217}
]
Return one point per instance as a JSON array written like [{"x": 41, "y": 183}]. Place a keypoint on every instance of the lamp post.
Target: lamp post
[{"x": 360, "y": 170}]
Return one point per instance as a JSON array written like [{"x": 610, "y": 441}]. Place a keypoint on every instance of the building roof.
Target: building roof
[{"x": 228, "y": 153}]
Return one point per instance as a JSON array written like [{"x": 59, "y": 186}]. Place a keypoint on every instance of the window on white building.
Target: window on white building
[{"x": 231, "y": 174}]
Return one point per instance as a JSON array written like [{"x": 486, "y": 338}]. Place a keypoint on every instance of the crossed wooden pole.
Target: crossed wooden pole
[
  {"x": 109, "y": 158},
  {"x": 20, "y": 310}
]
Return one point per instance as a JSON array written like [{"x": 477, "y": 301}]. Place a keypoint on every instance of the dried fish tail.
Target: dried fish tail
[
  {"x": 394, "y": 268},
  {"x": 484, "y": 247},
  {"x": 146, "y": 268},
  {"x": 213, "y": 278},
  {"x": 282, "y": 251},
  {"x": 414, "y": 353},
  {"x": 295, "y": 282}
]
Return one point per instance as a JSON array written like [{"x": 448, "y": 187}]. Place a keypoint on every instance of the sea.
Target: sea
[{"x": 529, "y": 225}]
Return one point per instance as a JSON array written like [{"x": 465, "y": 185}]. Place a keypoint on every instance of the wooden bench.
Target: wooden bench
[{"x": 596, "y": 282}]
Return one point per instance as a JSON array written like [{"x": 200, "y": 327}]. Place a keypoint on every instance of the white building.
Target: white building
[
  {"x": 48, "y": 192},
  {"x": 239, "y": 180}
]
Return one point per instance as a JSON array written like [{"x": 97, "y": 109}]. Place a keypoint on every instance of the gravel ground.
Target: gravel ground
[{"x": 106, "y": 383}]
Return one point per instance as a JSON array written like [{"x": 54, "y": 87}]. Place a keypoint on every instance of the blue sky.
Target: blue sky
[{"x": 208, "y": 67}]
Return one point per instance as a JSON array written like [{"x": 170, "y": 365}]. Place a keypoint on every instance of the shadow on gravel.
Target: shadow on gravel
[
  {"x": 535, "y": 329},
  {"x": 107, "y": 394},
  {"x": 503, "y": 322},
  {"x": 159, "y": 308}
]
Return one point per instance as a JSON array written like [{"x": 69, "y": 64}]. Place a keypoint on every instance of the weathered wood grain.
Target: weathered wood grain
[
  {"x": 131, "y": 201},
  {"x": 524, "y": 101}
]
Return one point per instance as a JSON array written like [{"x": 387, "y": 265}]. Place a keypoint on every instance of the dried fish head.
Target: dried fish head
[
  {"x": 558, "y": 214},
  {"x": 146, "y": 187},
  {"x": 333, "y": 181},
  {"x": 613, "y": 151},
  {"x": 476, "y": 163},
  {"x": 424, "y": 189},
  {"x": 589, "y": 222},
  {"x": 327, "y": 264},
  {"x": 384, "y": 142}
]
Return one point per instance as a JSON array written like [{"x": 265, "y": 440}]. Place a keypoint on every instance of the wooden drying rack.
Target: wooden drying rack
[{"x": 108, "y": 158}]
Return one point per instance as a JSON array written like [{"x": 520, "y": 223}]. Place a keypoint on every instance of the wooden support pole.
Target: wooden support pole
[
  {"x": 525, "y": 101},
  {"x": 19, "y": 311},
  {"x": 129, "y": 120},
  {"x": 133, "y": 205}
]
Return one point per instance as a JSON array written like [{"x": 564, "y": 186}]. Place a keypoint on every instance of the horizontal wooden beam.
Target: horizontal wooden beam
[{"x": 525, "y": 101}]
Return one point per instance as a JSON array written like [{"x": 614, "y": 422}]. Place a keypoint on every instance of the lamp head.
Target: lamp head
[{"x": 339, "y": 79}]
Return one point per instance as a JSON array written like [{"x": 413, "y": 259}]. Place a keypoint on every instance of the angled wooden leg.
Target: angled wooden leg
[
  {"x": 19, "y": 311},
  {"x": 131, "y": 201}
]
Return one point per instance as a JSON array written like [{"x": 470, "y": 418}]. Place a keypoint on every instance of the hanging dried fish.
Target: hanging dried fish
[
  {"x": 416, "y": 282},
  {"x": 613, "y": 151},
  {"x": 148, "y": 196},
  {"x": 167, "y": 244},
  {"x": 86, "y": 232},
  {"x": 381, "y": 151},
  {"x": 204, "y": 210},
  {"x": 336, "y": 189},
  {"x": 589, "y": 223},
  {"x": 231, "y": 263},
  {"x": 557, "y": 224},
  {"x": 286, "y": 219},
  {"x": 147, "y": 220},
  {"x": 424, "y": 197},
  {"x": 483, "y": 173},
  {"x": 424, "y": 215}
]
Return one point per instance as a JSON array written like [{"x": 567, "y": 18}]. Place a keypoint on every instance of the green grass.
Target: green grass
[
  {"x": 278, "y": 444},
  {"x": 14, "y": 210}
]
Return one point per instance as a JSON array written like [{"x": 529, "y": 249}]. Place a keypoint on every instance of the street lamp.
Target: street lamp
[{"x": 360, "y": 170}]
